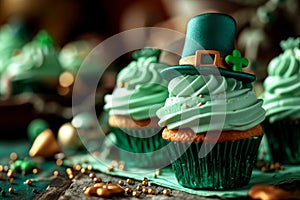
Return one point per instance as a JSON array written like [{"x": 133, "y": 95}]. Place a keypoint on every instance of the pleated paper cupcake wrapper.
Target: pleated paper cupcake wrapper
[
  {"x": 284, "y": 141},
  {"x": 138, "y": 149},
  {"x": 228, "y": 165}
]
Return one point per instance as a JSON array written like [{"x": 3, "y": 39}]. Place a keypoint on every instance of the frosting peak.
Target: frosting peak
[
  {"x": 194, "y": 102},
  {"x": 140, "y": 89},
  {"x": 44, "y": 39}
]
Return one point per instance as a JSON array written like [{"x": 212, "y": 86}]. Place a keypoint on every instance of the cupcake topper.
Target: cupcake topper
[
  {"x": 209, "y": 49},
  {"x": 146, "y": 52},
  {"x": 236, "y": 60},
  {"x": 290, "y": 43},
  {"x": 44, "y": 38}
]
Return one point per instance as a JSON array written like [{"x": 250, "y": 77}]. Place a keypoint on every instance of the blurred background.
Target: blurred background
[{"x": 43, "y": 43}]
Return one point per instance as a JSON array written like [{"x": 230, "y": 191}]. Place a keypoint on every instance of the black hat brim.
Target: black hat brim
[{"x": 174, "y": 71}]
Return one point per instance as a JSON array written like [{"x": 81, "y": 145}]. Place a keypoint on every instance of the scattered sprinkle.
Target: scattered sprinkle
[
  {"x": 71, "y": 176},
  {"x": 129, "y": 181},
  {"x": 135, "y": 194},
  {"x": 139, "y": 188},
  {"x": 128, "y": 190},
  {"x": 144, "y": 179},
  {"x": 55, "y": 173},
  {"x": 35, "y": 171},
  {"x": 145, "y": 183},
  {"x": 90, "y": 167},
  {"x": 77, "y": 167},
  {"x": 11, "y": 190},
  {"x": 151, "y": 191},
  {"x": 166, "y": 192},
  {"x": 121, "y": 183},
  {"x": 120, "y": 84},
  {"x": 145, "y": 190},
  {"x": 97, "y": 180},
  {"x": 59, "y": 162},
  {"x": 69, "y": 171},
  {"x": 28, "y": 182},
  {"x": 13, "y": 156},
  {"x": 10, "y": 173},
  {"x": 83, "y": 170},
  {"x": 92, "y": 175}
]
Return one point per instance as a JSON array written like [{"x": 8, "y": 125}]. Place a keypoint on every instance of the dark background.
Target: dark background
[
  {"x": 96, "y": 20},
  {"x": 69, "y": 20}
]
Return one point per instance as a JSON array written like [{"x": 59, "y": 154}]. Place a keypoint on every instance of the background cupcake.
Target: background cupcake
[
  {"x": 212, "y": 115},
  {"x": 35, "y": 69},
  {"x": 282, "y": 103},
  {"x": 132, "y": 107}
]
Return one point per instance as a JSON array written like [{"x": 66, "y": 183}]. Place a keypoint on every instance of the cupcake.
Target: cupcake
[
  {"x": 282, "y": 104},
  {"x": 132, "y": 106},
  {"x": 35, "y": 69},
  {"x": 212, "y": 116}
]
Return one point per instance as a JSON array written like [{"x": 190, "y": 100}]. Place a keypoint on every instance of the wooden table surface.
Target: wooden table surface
[{"x": 47, "y": 186}]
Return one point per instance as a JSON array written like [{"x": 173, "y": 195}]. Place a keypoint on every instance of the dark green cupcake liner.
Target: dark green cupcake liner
[
  {"x": 226, "y": 165},
  {"x": 140, "y": 147},
  {"x": 284, "y": 140}
]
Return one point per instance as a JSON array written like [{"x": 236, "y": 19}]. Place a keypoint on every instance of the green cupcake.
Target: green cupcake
[
  {"x": 36, "y": 68},
  {"x": 212, "y": 117},
  {"x": 132, "y": 107},
  {"x": 282, "y": 104}
]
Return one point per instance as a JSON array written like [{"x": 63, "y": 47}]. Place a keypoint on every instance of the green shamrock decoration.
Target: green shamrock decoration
[{"x": 236, "y": 60}]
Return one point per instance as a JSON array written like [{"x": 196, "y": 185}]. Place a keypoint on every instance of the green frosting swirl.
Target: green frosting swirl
[
  {"x": 193, "y": 103},
  {"x": 38, "y": 60},
  {"x": 282, "y": 86},
  {"x": 140, "y": 91}
]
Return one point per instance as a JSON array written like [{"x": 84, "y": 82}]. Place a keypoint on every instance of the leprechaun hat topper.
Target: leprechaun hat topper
[{"x": 209, "y": 49}]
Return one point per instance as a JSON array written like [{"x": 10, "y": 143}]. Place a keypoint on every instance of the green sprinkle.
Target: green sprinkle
[
  {"x": 16, "y": 165},
  {"x": 27, "y": 165},
  {"x": 23, "y": 165}
]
